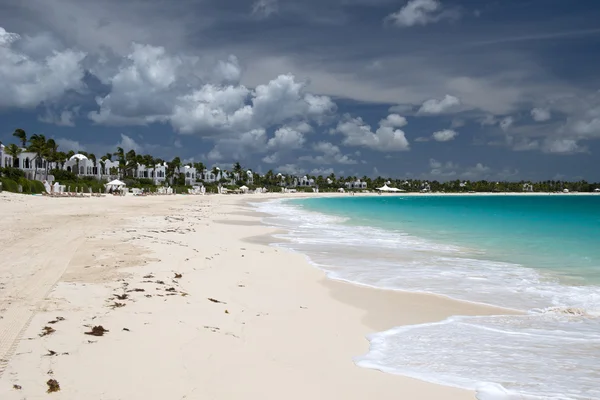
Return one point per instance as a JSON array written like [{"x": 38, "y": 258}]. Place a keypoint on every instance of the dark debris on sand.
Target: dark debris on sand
[
  {"x": 47, "y": 330},
  {"x": 53, "y": 386},
  {"x": 97, "y": 331}
]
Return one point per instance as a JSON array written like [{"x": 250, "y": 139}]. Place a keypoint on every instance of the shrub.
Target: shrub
[
  {"x": 25, "y": 185},
  {"x": 146, "y": 182},
  {"x": 12, "y": 173},
  {"x": 61, "y": 175},
  {"x": 37, "y": 187},
  {"x": 181, "y": 189},
  {"x": 9, "y": 185}
]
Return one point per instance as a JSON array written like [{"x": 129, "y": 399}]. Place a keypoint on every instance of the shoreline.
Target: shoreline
[{"x": 273, "y": 334}]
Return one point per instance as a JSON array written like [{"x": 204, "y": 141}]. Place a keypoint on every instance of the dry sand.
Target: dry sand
[{"x": 275, "y": 328}]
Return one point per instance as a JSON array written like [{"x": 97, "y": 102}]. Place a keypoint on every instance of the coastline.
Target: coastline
[{"x": 288, "y": 331}]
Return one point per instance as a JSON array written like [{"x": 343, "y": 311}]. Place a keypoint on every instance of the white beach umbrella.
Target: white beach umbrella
[{"x": 116, "y": 182}]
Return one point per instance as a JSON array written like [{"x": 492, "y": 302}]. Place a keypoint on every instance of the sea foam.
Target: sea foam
[{"x": 549, "y": 353}]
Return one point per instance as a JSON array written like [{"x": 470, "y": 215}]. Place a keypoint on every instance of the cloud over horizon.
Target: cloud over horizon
[{"x": 273, "y": 83}]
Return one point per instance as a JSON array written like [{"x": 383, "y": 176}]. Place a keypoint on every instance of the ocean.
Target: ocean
[{"x": 537, "y": 254}]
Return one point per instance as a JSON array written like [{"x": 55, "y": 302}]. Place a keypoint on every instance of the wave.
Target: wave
[{"x": 549, "y": 353}]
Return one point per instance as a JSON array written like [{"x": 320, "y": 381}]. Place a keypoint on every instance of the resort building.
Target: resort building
[
  {"x": 358, "y": 184},
  {"x": 304, "y": 182},
  {"x": 28, "y": 162},
  {"x": 81, "y": 165}
]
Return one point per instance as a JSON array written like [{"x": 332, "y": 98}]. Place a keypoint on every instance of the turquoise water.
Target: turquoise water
[
  {"x": 560, "y": 234},
  {"x": 536, "y": 254}
]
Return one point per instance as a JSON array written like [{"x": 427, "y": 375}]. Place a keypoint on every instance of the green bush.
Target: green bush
[
  {"x": 181, "y": 189},
  {"x": 12, "y": 173},
  {"x": 84, "y": 187},
  {"x": 9, "y": 185},
  {"x": 37, "y": 187},
  {"x": 25, "y": 185},
  {"x": 61, "y": 175}
]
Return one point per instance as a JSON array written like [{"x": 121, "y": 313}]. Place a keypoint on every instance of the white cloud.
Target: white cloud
[
  {"x": 421, "y": 12},
  {"x": 401, "y": 108},
  {"x": 290, "y": 169},
  {"x": 128, "y": 143},
  {"x": 525, "y": 144},
  {"x": 264, "y": 8},
  {"x": 476, "y": 172},
  {"x": 329, "y": 154},
  {"x": 241, "y": 146},
  {"x": 151, "y": 85},
  {"x": 587, "y": 128},
  {"x": 451, "y": 170},
  {"x": 562, "y": 146},
  {"x": 488, "y": 119},
  {"x": 283, "y": 98},
  {"x": 540, "y": 114},
  {"x": 28, "y": 77},
  {"x": 65, "y": 118},
  {"x": 435, "y": 106},
  {"x": 357, "y": 133},
  {"x": 67, "y": 145},
  {"x": 445, "y": 135},
  {"x": 214, "y": 155},
  {"x": 286, "y": 138},
  {"x": 506, "y": 123},
  {"x": 393, "y": 121},
  {"x": 457, "y": 123},
  {"x": 322, "y": 171},
  {"x": 271, "y": 158}
]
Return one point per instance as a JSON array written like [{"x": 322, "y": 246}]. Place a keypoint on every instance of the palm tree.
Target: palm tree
[
  {"x": 237, "y": 170},
  {"x": 51, "y": 154},
  {"x": 120, "y": 154},
  {"x": 92, "y": 158},
  {"x": 13, "y": 150},
  {"x": 200, "y": 169},
  {"x": 61, "y": 158},
  {"x": 173, "y": 169},
  {"x": 215, "y": 171},
  {"x": 38, "y": 145},
  {"x": 20, "y": 133},
  {"x": 131, "y": 158}
]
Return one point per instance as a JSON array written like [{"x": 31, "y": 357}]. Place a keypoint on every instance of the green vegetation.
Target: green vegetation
[
  {"x": 12, "y": 183},
  {"x": 129, "y": 163}
]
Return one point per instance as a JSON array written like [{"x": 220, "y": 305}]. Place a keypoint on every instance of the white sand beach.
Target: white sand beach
[{"x": 196, "y": 304}]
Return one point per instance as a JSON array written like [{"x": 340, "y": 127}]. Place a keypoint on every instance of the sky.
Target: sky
[{"x": 424, "y": 89}]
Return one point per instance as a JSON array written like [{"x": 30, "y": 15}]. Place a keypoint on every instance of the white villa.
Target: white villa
[
  {"x": 304, "y": 182},
  {"x": 358, "y": 184},
  {"x": 26, "y": 161},
  {"x": 210, "y": 176},
  {"x": 81, "y": 165}
]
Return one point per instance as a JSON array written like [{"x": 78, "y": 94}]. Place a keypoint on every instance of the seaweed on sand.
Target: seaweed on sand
[
  {"x": 97, "y": 331},
  {"x": 47, "y": 330},
  {"x": 53, "y": 386}
]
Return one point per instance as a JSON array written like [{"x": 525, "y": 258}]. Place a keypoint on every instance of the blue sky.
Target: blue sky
[{"x": 434, "y": 89}]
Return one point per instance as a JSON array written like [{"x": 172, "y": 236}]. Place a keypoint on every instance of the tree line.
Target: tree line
[{"x": 129, "y": 162}]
